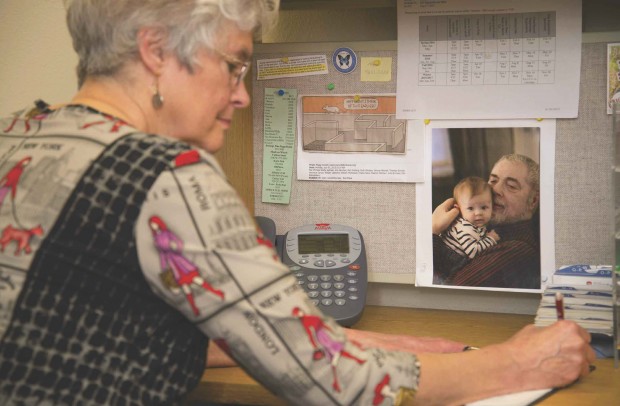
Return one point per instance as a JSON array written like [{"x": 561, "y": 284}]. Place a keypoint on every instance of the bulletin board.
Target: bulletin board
[{"x": 385, "y": 213}]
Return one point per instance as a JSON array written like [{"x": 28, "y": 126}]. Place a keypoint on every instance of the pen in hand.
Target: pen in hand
[
  {"x": 559, "y": 305},
  {"x": 559, "y": 309}
]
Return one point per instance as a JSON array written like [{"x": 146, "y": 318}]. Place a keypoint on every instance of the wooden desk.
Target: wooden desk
[{"x": 602, "y": 387}]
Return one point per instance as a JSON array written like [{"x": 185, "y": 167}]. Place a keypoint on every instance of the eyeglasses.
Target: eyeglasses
[{"x": 236, "y": 68}]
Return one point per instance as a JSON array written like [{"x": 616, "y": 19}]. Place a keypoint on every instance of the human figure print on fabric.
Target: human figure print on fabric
[
  {"x": 20, "y": 235},
  {"x": 177, "y": 272},
  {"x": 10, "y": 180},
  {"x": 326, "y": 347},
  {"x": 383, "y": 392}
]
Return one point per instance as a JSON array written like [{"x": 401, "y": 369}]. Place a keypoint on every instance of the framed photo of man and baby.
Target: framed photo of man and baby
[{"x": 486, "y": 206}]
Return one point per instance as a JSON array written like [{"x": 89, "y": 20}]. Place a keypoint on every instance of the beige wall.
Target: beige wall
[
  {"x": 375, "y": 24},
  {"x": 36, "y": 57}
]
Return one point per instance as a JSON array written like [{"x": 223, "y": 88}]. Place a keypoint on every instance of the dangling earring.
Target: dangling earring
[{"x": 157, "y": 100}]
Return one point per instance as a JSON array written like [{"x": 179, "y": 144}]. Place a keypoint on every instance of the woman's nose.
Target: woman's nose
[{"x": 240, "y": 96}]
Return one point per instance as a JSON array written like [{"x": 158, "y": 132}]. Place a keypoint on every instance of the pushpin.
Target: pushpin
[
  {"x": 284, "y": 60},
  {"x": 427, "y": 121},
  {"x": 539, "y": 119},
  {"x": 356, "y": 98},
  {"x": 376, "y": 62},
  {"x": 280, "y": 92},
  {"x": 331, "y": 86}
]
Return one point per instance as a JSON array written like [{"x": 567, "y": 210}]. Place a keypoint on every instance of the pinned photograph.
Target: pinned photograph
[{"x": 484, "y": 203}]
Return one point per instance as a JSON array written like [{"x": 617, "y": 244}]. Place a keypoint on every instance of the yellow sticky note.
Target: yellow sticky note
[{"x": 376, "y": 69}]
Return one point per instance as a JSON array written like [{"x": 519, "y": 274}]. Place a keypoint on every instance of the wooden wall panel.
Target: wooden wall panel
[{"x": 237, "y": 155}]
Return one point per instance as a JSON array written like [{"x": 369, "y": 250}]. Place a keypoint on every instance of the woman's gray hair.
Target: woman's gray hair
[{"x": 104, "y": 32}]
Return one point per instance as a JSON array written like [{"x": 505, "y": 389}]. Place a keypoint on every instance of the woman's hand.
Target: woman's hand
[
  {"x": 534, "y": 358},
  {"x": 554, "y": 356}
]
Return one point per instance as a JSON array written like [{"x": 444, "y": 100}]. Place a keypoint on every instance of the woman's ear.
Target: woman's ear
[{"x": 151, "y": 41}]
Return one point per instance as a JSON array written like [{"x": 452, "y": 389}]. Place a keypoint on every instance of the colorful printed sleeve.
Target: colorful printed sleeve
[{"x": 200, "y": 251}]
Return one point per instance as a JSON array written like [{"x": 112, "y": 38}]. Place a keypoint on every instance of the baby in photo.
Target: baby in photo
[{"x": 468, "y": 235}]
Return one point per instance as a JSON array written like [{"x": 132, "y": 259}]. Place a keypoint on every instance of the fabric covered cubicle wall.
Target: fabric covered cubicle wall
[{"x": 385, "y": 212}]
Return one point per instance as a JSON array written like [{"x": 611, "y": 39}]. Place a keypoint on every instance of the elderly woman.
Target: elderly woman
[{"x": 144, "y": 253}]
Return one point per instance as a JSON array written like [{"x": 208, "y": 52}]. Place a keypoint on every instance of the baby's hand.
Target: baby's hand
[{"x": 493, "y": 235}]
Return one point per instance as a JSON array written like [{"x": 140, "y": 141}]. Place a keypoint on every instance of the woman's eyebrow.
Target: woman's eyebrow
[{"x": 244, "y": 54}]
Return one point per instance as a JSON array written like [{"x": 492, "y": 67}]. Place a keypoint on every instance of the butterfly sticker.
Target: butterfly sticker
[{"x": 344, "y": 60}]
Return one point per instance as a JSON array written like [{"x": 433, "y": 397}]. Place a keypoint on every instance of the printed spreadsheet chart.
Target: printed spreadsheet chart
[{"x": 487, "y": 49}]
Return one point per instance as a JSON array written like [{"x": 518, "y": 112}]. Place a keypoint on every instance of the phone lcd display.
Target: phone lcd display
[{"x": 323, "y": 243}]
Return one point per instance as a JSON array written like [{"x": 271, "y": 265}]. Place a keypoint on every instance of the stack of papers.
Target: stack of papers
[
  {"x": 583, "y": 275},
  {"x": 590, "y": 306},
  {"x": 588, "y": 298}
]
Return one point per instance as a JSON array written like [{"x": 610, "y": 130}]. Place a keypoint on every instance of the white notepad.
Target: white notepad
[{"x": 514, "y": 399}]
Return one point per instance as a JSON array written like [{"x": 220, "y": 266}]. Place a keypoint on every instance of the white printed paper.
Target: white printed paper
[
  {"x": 357, "y": 138},
  {"x": 488, "y": 59}
]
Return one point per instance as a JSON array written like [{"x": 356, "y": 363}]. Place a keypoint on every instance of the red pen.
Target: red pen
[{"x": 559, "y": 305}]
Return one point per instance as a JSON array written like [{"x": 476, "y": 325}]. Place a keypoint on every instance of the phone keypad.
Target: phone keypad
[{"x": 329, "y": 289}]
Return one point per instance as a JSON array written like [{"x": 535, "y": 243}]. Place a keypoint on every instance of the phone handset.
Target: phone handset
[{"x": 268, "y": 227}]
